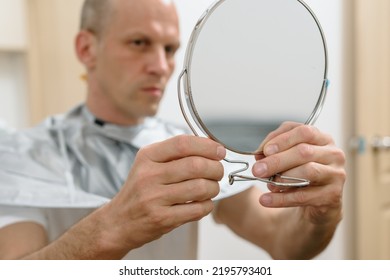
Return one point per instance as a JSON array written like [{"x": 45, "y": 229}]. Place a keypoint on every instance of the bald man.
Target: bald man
[{"x": 108, "y": 180}]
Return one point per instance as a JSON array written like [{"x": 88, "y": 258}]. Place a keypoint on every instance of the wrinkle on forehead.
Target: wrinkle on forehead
[
  {"x": 166, "y": 4},
  {"x": 138, "y": 14},
  {"x": 146, "y": 9},
  {"x": 151, "y": 19}
]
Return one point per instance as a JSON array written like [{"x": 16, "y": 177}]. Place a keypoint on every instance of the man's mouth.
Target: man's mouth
[{"x": 153, "y": 91}]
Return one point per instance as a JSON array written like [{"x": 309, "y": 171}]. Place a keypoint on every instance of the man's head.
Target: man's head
[
  {"x": 94, "y": 15},
  {"x": 127, "y": 47}
]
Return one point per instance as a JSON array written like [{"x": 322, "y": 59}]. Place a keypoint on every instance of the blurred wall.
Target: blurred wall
[{"x": 13, "y": 80}]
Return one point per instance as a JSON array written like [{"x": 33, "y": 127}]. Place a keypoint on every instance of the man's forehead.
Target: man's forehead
[
  {"x": 146, "y": 19},
  {"x": 167, "y": 1}
]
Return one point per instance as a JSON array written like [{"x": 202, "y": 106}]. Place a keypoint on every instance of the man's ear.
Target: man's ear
[{"x": 86, "y": 48}]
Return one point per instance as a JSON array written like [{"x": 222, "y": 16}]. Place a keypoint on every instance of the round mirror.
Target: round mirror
[{"x": 251, "y": 65}]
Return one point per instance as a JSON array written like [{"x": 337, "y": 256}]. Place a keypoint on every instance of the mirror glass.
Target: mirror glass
[{"x": 251, "y": 65}]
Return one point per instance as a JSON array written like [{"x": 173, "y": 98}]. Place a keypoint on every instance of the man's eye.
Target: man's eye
[
  {"x": 171, "y": 50},
  {"x": 139, "y": 43}
]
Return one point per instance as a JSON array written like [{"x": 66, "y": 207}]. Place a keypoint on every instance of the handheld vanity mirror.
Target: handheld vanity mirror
[{"x": 251, "y": 65}]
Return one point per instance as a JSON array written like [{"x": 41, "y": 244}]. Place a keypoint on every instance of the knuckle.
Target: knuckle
[
  {"x": 282, "y": 200},
  {"x": 288, "y": 125},
  {"x": 273, "y": 163},
  {"x": 285, "y": 138},
  {"x": 148, "y": 174},
  {"x": 182, "y": 144},
  {"x": 198, "y": 187},
  {"x": 336, "y": 196},
  {"x": 308, "y": 132},
  {"x": 313, "y": 171},
  {"x": 202, "y": 185},
  {"x": 196, "y": 166},
  {"x": 299, "y": 197},
  {"x": 143, "y": 153},
  {"x": 305, "y": 151},
  {"x": 343, "y": 175},
  {"x": 203, "y": 209},
  {"x": 159, "y": 219},
  {"x": 339, "y": 155},
  {"x": 340, "y": 176},
  {"x": 204, "y": 189}
]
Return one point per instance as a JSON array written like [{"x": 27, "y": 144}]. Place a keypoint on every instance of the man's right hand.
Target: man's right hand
[{"x": 171, "y": 183}]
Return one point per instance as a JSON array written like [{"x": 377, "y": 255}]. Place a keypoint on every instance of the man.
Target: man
[{"x": 160, "y": 182}]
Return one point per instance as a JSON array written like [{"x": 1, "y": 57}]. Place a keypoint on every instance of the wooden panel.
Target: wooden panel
[
  {"x": 385, "y": 234},
  {"x": 383, "y": 168},
  {"x": 55, "y": 84},
  {"x": 372, "y": 60}
]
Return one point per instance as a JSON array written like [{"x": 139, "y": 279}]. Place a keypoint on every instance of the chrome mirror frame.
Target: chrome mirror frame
[{"x": 198, "y": 127}]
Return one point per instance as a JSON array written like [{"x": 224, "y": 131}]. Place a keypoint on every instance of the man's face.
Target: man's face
[{"x": 135, "y": 57}]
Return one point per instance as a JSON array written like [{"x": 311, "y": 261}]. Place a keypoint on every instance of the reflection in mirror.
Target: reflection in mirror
[{"x": 251, "y": 65}]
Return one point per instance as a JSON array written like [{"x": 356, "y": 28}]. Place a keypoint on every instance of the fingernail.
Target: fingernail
[
  {"x": 260, "y": 169},
  {"x": 221, "y": 152},
  {"x": 266, "y": 200},
  {"x": 271, "y": 149}
]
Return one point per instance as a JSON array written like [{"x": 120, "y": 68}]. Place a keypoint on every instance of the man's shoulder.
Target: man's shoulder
[
  {"x": 25, "y": 138},
  {"x": 43, "y": 133},
  {"x": 33, "y": 148}
]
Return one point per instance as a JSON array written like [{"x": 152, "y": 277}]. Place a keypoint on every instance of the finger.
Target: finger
[
  {"x": 189, "y": 212},
  {"x": 183, "y": 146},
  {"x": 284, "y": 127},
  {"x": 191, "y": 168},
  {"x": 295, "y": 157},
  {"x": 309, "y": 196},
  {"x": 164, "y": 219},
  {"x": 292, "y": 198},
  {"x": 317, "y": 174},
  {"x": 190, "y": 191},
  {"x": 299, "y": 134}
]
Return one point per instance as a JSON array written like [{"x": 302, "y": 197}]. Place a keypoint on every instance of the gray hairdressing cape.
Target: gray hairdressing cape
[
  {"x": 58, "y": 172},
  {"x": 75, "y": 160}
]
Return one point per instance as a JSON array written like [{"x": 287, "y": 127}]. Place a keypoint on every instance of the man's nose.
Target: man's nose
[{"x": 159, "y": 63}]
